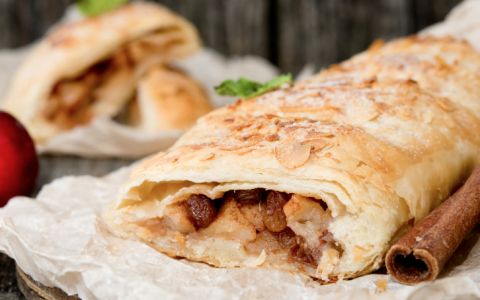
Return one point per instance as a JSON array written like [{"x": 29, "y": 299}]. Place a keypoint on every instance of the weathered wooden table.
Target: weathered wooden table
[{"x": 290, "y": 33}]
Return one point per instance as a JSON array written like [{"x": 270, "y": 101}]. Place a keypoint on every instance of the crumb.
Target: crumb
[
  {"x": 381, "y": 285},
  {"x": 180, "y": 239},
  {"x": 418, "y": 239}
]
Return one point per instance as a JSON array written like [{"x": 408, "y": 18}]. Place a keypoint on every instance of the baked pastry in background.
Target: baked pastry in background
[
  {"x": 317, "y": 178},
  {"x": 166, "y": 99},
  {"x": 98, "y": 66}
]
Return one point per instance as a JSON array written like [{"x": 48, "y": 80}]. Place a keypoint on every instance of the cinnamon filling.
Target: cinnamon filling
[
  {"x": 71, "y": 100},
  {"x": 297, "y": 224},
  {"x": 111, "y": 80}
]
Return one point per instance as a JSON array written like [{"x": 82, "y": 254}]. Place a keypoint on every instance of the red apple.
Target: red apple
[{"x": 18, "y": 159}]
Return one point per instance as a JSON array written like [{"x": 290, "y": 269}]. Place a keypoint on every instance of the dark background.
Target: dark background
[{"x": 290, "y": 33}]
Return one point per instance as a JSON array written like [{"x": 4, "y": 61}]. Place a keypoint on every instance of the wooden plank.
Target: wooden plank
[
  {"x": 8, "y": 283},
  {"x": 276, "y": 29},
  {"x": 426, "y": 12},
  {"x": 33, "y": 290},
  {"x": 52, "y": 167},
  {"x": 229, "y": 26},
  {"x": 21, "y": 22},
  {"x": 323, "y": 32}
]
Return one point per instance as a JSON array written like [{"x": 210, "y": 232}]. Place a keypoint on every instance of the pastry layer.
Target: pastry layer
[{"x": 381, "y": 139}]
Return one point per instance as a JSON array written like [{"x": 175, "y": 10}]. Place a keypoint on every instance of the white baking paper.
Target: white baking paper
[
  {"x": 60, "y": 240},
  {"x": 462, "y": 22}
]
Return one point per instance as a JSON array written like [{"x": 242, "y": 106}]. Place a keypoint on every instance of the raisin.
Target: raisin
[
  {"x": 201, "y": 210},
  {"x": 248, "y": 197},
  {"x": 302, "y": 253},
  {"x": 273, "y": 216},
  {"x": 286, "y": 238},
  {"x": 322, "y": 204}
]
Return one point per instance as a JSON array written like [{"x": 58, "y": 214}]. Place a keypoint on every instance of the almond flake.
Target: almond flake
[
  {"x": 427, "y": 116},
  {"x": 373, "y": 115},
  {"x": 272, "y": 137},
  {"x": 209, "y": 156},
  {"x": 376, "y": 45},
  {"x": 316, "y": 144},
  {"x": 292, "y": 154},
  {"x": 365, "y": 114},
  {"x": 320, "y": 134},
  {"x": 445, "y": 105}
]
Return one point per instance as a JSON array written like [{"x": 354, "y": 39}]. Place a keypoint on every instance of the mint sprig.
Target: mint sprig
[
  {"x": 246, "y": 88},
  {"x": 98, "y": 7}
]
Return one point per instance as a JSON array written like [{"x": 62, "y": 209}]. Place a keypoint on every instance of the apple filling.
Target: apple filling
[
  {"x": 288, "y": 227},
  {"x": 75, "y": 101}
]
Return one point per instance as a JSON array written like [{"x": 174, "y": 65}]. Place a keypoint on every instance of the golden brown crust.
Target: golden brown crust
[
  {"x": 169, "y": 99},
  {"x": 442, "y": 66},
  {"x": 379, "y": 144}
]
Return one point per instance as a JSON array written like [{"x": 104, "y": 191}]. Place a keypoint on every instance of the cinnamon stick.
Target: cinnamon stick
[{"x": 421, "y": 254}]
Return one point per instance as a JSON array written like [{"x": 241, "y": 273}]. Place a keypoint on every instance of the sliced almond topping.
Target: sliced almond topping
[
  {"x": 427, "y": 116},
  {"x": 373, "y": 115},
  {"x": 272, "y": 137},
  {"x": 245, "y": 150},
  {"x": 377, "y": 44},
  {"x": 209, "y": 156},
  {"x": 292, "y": 154},
  {"x": 364, "y": 114},
  {"x": 316, "y": 144},
  {"x": 445, "y": 105},
  {"x": 320, "y": 134},
  {"x": 441, "y": 62}
]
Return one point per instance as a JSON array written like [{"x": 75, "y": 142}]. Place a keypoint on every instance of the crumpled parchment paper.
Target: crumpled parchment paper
[{"x": 60, "y": 240}]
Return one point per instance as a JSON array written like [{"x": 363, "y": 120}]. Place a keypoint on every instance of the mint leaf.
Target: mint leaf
[
  {"x": 274, "y": 84},
  {"x": 98, "y": 7},
  {"x": 241, "y": 87},
  {"x": 246, "y": 88}
]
